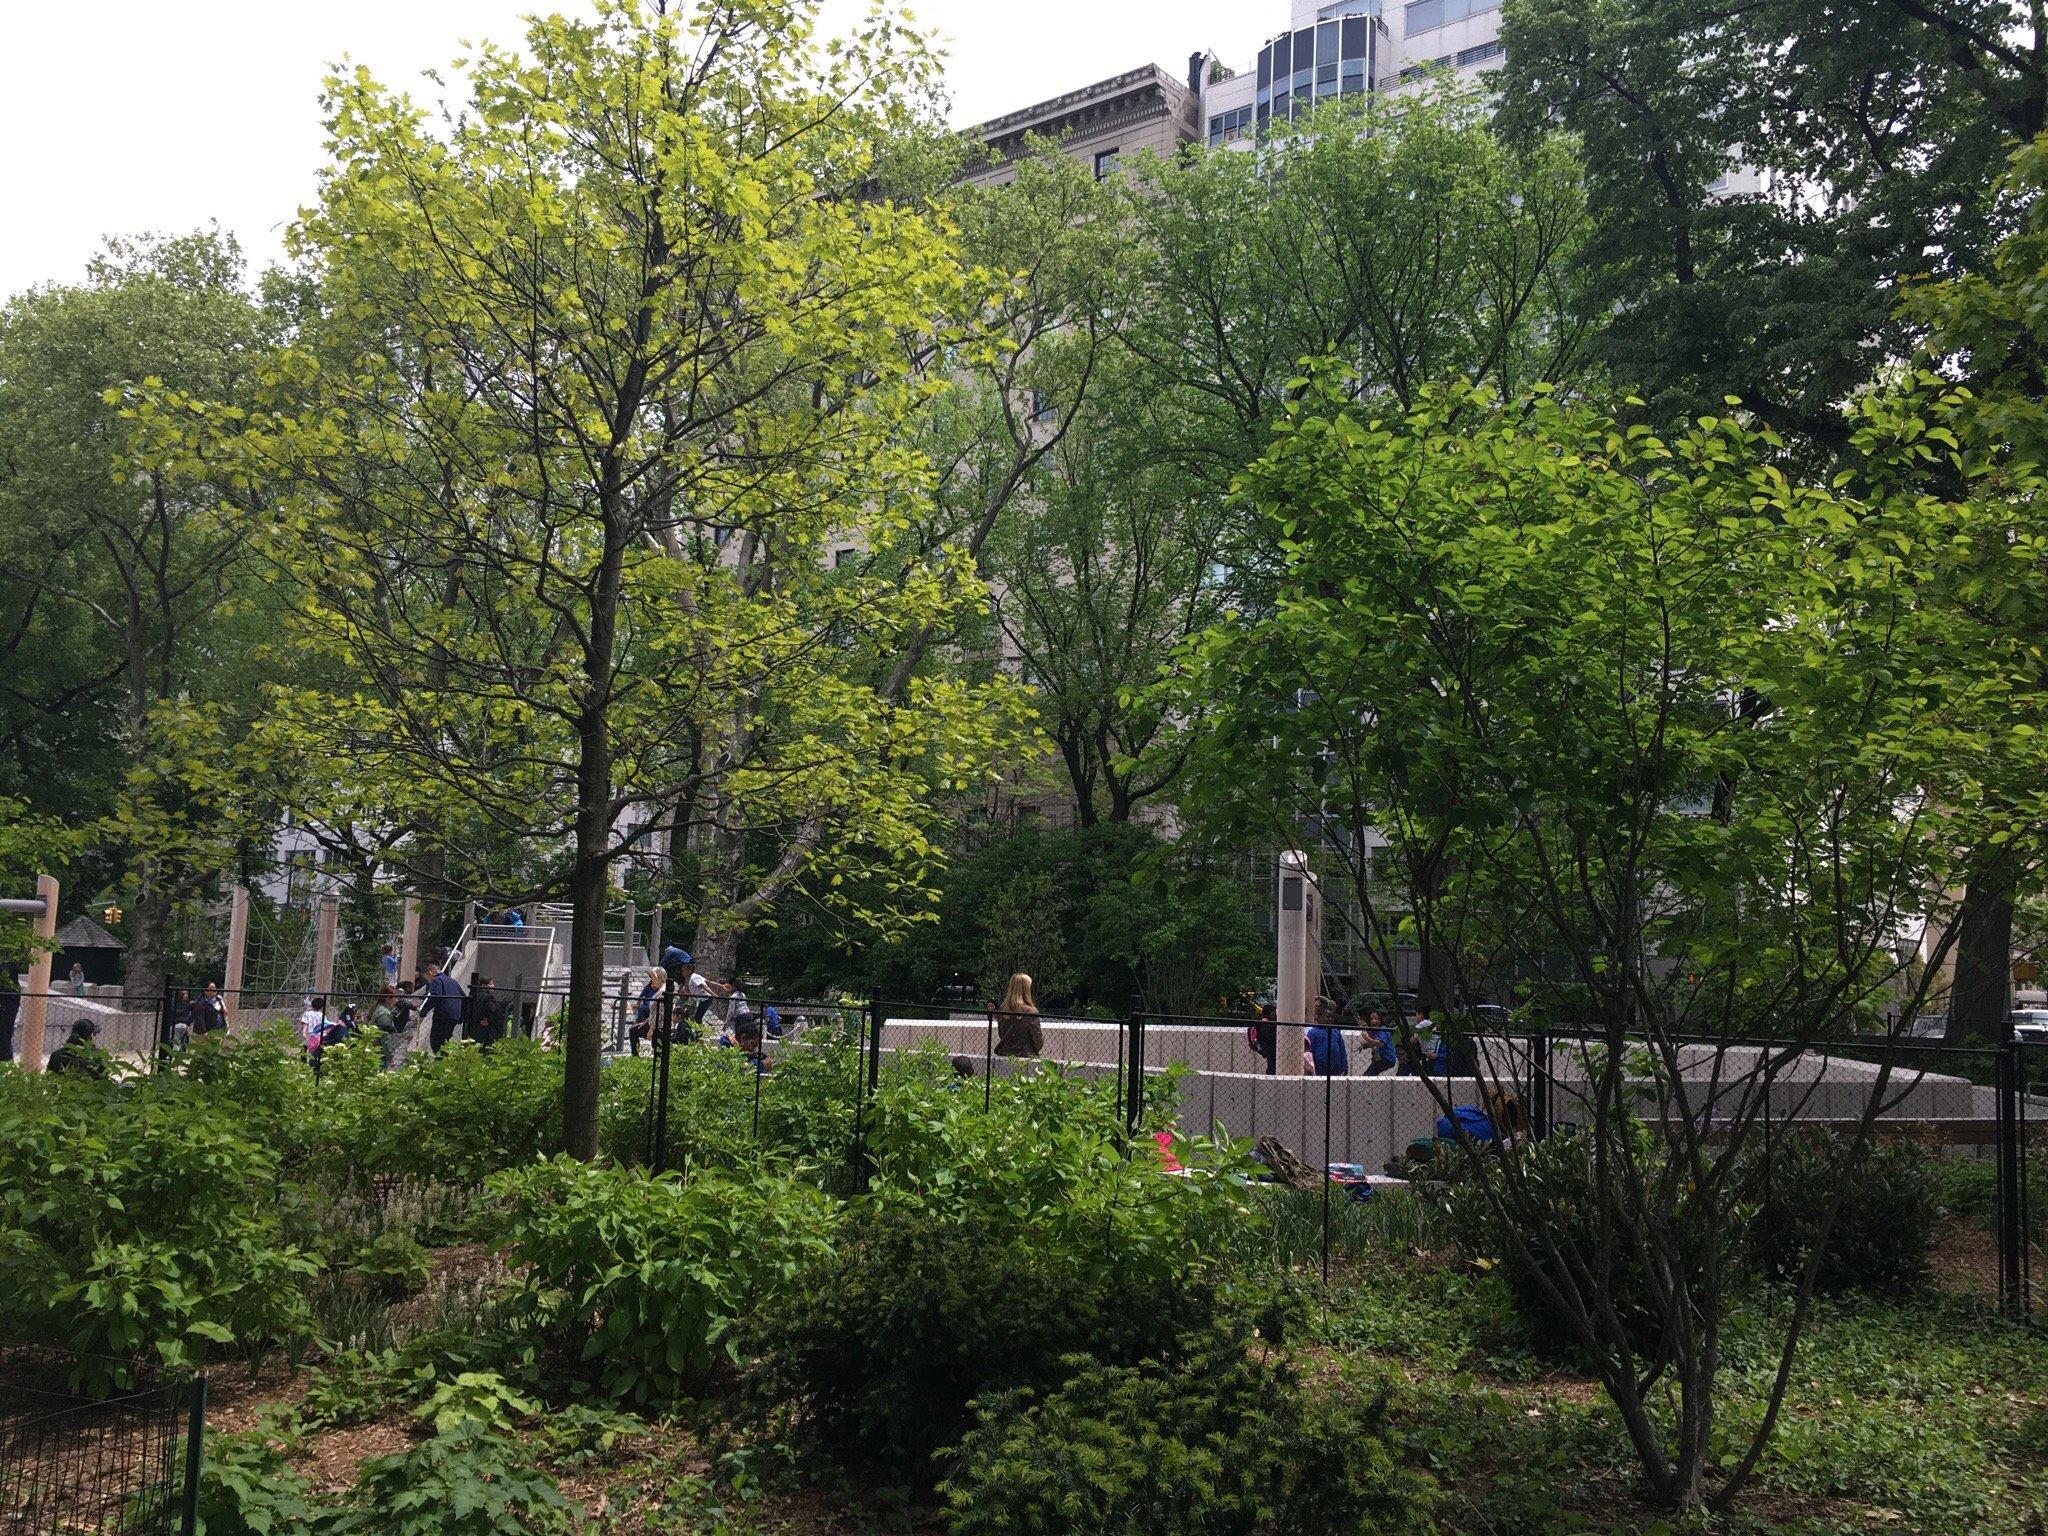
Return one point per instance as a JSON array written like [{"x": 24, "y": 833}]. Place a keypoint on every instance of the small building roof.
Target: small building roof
[{"x": 84, "y": 933}]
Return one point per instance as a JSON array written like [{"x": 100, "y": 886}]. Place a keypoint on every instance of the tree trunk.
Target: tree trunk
[
  {"x": 148, "y": 925},
  {"x": 589, "y": 882},
  {"x": 1978, "y": 1003}
]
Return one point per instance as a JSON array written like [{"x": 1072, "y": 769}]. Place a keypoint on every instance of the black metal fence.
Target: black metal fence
[{"x": 124, "y": 1460}]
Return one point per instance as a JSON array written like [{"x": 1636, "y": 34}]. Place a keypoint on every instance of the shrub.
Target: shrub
[
  {"x": 136, "y": 1217},
  {"x": 1561, "y": 1209},
  {"x": 466, "y": 1480},
  {"x": 1225, "y": 1443},
  {"x": 645, "y": 1275},
  {"x": 1883, "y": 1233},
  {"x": 455, "y": 1118},
  {"x": 246, "y": 1488},
  {"x": 911, "y": 1320}
]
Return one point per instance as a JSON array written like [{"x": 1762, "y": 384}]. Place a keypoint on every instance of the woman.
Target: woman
[
  {"x": 1018, "y": 1032},
  {"x": 643, "y": 1013}
]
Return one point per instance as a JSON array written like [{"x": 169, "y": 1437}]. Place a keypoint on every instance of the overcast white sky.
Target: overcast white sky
[{"x": 120, "y": 116}]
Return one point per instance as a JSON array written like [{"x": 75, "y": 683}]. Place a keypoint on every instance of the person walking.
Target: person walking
[
  {"x": 1379, "y": 1045},
  {"x": 444, "y": 1003},
  {"x": 1265, "y": 1037},
  {"x": 1019, "y": 1031},
  {"x": 209, "y": 1013}
]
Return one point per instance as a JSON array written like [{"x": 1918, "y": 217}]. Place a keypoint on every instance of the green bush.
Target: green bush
[
  {"x": 136, "y": 1217},
  {"x": 246, "y": 1488},
  {"x": 465, "y": 1480},
  {"x": 644, "y": 1276},
  {"x": 452, "y": 1118},
  {"x": 1226, "y": 1442},
  {"x": 911, "y": 1320},
  {"x": 1560, "y": 1211},
  {"x": 1883, "y": 1233}
]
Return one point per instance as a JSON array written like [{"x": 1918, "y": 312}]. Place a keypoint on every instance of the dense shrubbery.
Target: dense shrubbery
[
  {"x": 1883, "y": 1231},
  {"x": 993, "y": 1246},
  {"x": 643, "y": 1276},
  {"x": 910, "y": 1320},
  {"x": 1224, "y": 1441},
  {"x": 139, "y": 1219}
]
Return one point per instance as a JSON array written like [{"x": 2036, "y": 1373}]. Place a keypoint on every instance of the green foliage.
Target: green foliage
[
  {"x": 994, "y": 1244},
  {"x": 246, "y": 1488},
  {"x": 645, "y": 1276},
  {"x": 1226, "y": 1441},
  {"x": 455, "y": 1117},
  {"x": 1563, "y": 1228},
  {"x": 465, "y": 1480},
  {"x": 136, "y": 1218},
  {"x": 1887, "y": 1203},
  {"x": 914, "y": 1316}
]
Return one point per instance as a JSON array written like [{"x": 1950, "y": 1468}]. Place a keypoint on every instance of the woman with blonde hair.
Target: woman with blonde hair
[
  {"x": 643, "y": 1013},
  {"x": 1018, "y": 1032}
]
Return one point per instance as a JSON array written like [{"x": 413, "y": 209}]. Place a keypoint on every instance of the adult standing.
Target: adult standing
[
  {"x": 384, "y": 1020},
  {"x": 643, "y": 1008},
  {"x": 1019, "y": 1031},
  {"x": 209, "y": 1013},
  {"x": 78, "y": 978},
  {"x": 487, "y": 1013},
  {"x": 1324, "y": 1040},
  {"x": 387, "y": 966},
  {"x": 80, "y": 1055},
  {"x": 445, "y": 1001},
  {"x": 183, "y": 1017}
]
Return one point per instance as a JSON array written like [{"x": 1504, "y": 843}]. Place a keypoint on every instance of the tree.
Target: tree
[
  {"x": 124, "y": 597},
  {"x": 592, "y": 377},
  {"x": 1763, "y": 178},
  {"x": 1402, "y": 237},
  {"x": 1683, "y": 750},
  {"x": 1002, "y": 394},
  {"x": 1113, "y": 565}
]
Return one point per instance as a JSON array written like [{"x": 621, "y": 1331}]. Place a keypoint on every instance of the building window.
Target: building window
[
  {"x": 841, "y": 558},
  {"x": 1106, "y": 162},
  {"x": 1482, "y": 53},
  {"x": 1041, "y": 407},
  {"x": 1426, "y": 15}
]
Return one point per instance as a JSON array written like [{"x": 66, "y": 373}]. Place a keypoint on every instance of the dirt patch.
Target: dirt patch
[
  {"x": 1965, "y": 1261},
  {"x": 332, "y": 1462}
]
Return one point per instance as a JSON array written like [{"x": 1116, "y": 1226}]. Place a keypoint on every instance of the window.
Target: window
[
  {"x": 1041, "y": 406},
  {"x": 841, "y": 558},
  {"x": 1354, "y": 37},
  {"x": 1425, "y": 15},
  {"x": 1106, "y": 162},
  {"x": 1481, "y": 54}
]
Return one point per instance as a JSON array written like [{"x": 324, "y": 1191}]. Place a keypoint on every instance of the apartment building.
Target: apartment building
[{"x": 1328, "y": 48}]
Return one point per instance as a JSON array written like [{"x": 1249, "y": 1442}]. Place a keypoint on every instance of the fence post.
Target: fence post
[
  {"x": 195, "y": 1436},
  {"x": 1134, "y": 1083},
  {"x": 1329, "y": 1086},
  {"x": 988, "y": 1060},
  {"x": 2010, "y": 1231},
  {"x": 162, "y": 1053},
  {"x": 1123, "y": 1046},
  {"x": 1539, "y": 1086},
  {"x": 661, "y": 1050}
]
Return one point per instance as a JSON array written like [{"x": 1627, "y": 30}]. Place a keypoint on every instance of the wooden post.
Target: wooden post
[
  {"x": 327, "y": 916},
  {"x": 238, "y": 949},
  {"x": 35, "y": 1001},
  {"x": 632, "y": 926},
  {"x": 409, "y": 943},
  {"x": 1300, "y": 970}
]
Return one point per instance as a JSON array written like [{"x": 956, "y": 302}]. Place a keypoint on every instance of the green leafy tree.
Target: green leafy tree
[
  {"x": 590, "y": 379},
  {"x": 1682, "y": 750},
  {"x": 125, "y": 608}
]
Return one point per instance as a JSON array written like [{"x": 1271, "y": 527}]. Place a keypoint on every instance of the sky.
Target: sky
[{"x": 131, "y": 116}]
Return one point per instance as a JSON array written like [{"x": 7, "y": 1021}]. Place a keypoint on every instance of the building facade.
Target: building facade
[{"x": 1328, "y": 48}]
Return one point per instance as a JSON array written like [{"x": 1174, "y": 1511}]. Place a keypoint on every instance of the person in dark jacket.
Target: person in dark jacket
[
  {"x": 80, "y": 1055},
  {"x": 10, "y": 1010},
  {"x": 445, "y": 1002},
  {"x": 487, "y": 1013},
  {"x": 209, "y": 1013},
  {"x": 182, "y": 1017}
]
